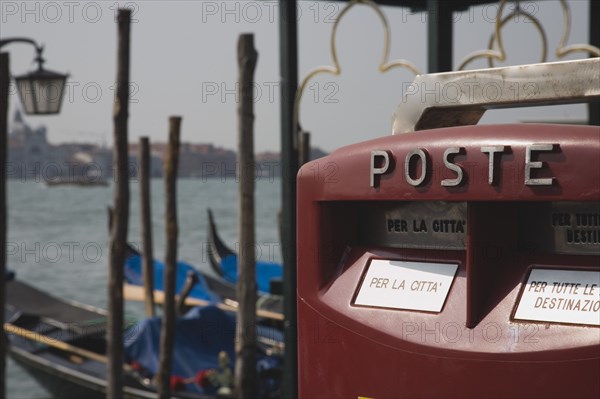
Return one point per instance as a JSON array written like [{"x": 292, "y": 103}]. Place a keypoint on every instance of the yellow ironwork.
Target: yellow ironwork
[
  {"x": 562, "y": 50},
  {"x": 335, "y": 69},
  {"x": 500, "y": 55}
]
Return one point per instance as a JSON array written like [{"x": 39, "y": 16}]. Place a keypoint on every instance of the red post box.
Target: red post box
[{"x": 452, "y": 262}]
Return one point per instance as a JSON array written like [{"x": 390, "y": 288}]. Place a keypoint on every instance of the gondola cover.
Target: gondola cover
[{"x": 201, "y": 335}]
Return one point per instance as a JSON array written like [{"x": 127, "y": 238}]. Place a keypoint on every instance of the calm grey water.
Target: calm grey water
[{"x": 57, "y": 239}]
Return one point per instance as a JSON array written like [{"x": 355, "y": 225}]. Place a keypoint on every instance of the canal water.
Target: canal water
[{"x": 58, "y": 240}]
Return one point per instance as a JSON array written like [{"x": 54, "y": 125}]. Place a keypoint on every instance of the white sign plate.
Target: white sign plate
[
  {"x": 406, "y": 285},
  {"x": 563, "y": 296}
]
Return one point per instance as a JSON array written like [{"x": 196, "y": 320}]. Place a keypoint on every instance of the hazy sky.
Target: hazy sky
[{"x": 184, "y": 63}]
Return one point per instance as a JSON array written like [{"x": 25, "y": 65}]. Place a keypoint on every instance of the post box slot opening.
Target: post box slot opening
[{"x": 498, "y": 240}]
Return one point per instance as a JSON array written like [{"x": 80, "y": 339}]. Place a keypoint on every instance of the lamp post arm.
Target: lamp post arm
[
  {"x": 38, "y": 48},
  {"x": 4, "y": 42}
]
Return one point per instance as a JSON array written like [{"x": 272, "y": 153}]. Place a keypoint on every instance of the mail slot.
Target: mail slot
[{"x": 452, "y": 262}]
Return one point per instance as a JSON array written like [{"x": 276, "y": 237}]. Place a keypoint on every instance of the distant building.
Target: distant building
[
  {"x": 195, "y": 160},
  {"x": 32, "y": 157},
  {"x": 29, "y": 153}
]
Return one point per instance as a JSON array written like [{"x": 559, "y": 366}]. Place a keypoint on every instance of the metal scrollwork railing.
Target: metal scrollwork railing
[
  {"x": 563, "y": 49},
  {"x": 335, "y": 69},
  {"x": 500, "y": 54}
]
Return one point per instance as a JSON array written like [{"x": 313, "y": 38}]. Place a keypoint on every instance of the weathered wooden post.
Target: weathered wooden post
[
  {"x": 167, "y": 333},
  {"x": 190, "y": 281},
  {"x": 245, "y": 343},
  {"x": 118, "y": 233},
  {"x": 146, "y": 222},
  {"x": 4, "y": 87},
  {"x": 304, "y": 153}
]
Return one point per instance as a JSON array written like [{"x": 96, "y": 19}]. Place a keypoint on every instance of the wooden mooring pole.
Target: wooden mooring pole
[
  {"x": 245, "y": 343},
  {"x": 4, "y": 87},
  {"x": 167, "y": 333},
  {"x": 118, "y": 233},
  {"x": 146, "y": 225}
]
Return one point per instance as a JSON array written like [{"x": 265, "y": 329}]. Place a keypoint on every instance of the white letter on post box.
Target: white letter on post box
[
  {"x": 421, "y": 154},
  {"x": 383, "y": 169},
  {"x": 453, "y": 167},
  {"x": 491, "y": 151},
  {"x": 536, "y": 165}
]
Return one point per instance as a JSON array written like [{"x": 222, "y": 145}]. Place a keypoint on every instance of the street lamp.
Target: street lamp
[{"x": 41, "y": 91}]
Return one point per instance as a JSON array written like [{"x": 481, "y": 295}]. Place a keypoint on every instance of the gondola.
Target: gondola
[
  {"x": 63, "y": 346},
  {"x": 223, "y": 261},
  {"x": 206, "y": 291}
]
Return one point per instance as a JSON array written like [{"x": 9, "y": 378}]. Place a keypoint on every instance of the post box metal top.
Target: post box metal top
[{"x": 461, "y": 98}]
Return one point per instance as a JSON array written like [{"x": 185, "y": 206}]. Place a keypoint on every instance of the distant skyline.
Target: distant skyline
[{"x": 184, "y": 63}]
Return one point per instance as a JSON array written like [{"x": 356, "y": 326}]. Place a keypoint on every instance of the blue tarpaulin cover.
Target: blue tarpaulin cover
[
  {"x": 265, "y": 272},
  {"x": 200, "y": 335},
  {"x": 133, "y": 275}
]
